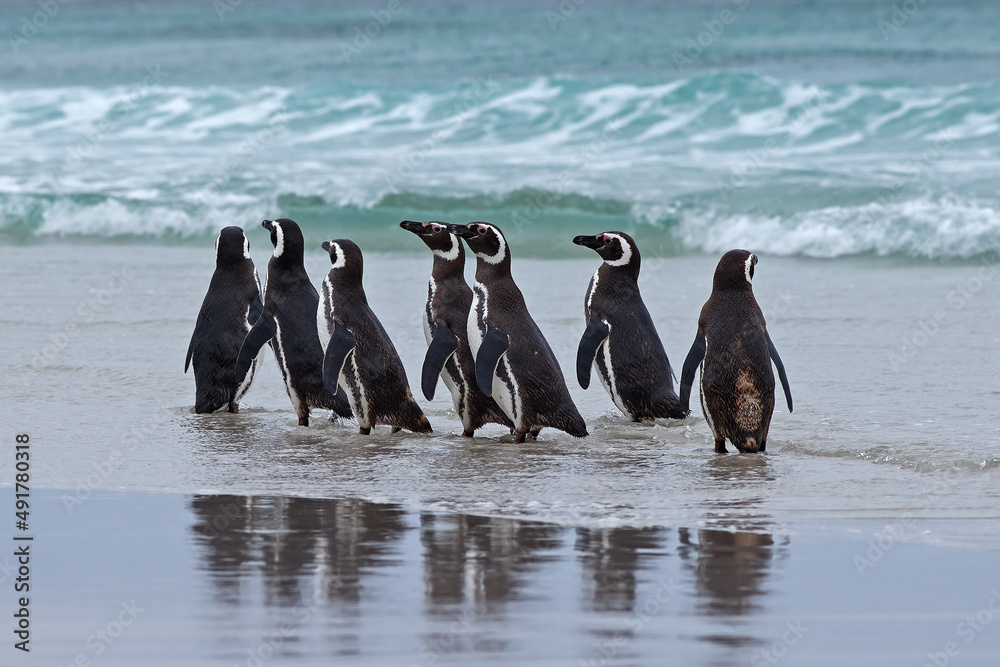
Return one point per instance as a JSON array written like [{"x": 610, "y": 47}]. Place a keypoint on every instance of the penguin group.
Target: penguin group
[{"x": 334, "y": 353}]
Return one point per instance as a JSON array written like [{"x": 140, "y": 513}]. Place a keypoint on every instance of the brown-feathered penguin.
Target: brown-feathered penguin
[
  {"x": 621, "y": 340},
  {"x": 735, "y": 353},
  {"x": 514, "y": 363},
  {"x": 230, "y": 308},
  {"x": 359, "y": 359},
  {"x": 446, "y": 316},
  {"x": 288, "y": 322}
]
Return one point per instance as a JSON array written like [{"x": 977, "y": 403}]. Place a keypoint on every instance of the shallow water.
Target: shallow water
[{"x": 866, "y": 442}]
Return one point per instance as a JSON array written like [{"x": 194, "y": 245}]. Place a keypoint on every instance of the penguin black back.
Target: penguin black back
[
  {"x": 360, "y": 360},
  {"x": 735, "y": 353},
  {"x": 230, "y": 307},
  {"x": 446, "y": 314},
  {"x": 621, "y": 339},
  {"x": 514, "y": 363},
  {"x": 289, "y": 325}
]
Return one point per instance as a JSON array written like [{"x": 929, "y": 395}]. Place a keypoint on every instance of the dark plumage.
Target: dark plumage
[
  {"x": 359, "y": 359},
  {"x": 289, "y": 324},
  {"x": 446, "y": 316},
  {"x": 735, "y": 353},
  {"x": 620, "y": 339},
  {"x": 514, "y": 363},
  {"x": 231, "y": 306}
]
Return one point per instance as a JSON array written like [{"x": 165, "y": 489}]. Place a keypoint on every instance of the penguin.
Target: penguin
[
  {"x": 230, "y": 308},
  {"x": 288, "y": 322},
  {"x": 620, "y": 339},
  {"x": 358, "y": 357},
  {"x": 446, "y": 315},
  {"x": 514, "y": 363},
  {"x": 735, "y": 353}
]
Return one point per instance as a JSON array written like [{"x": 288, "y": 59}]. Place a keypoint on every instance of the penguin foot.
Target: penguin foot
[
  {"x": 533, "y": 433},
  {"x": 468, "y": 433},
  {"x": 763, "y": 446},
  {"x": 234, "y": 407},
  {"x": 304, "y": 417},
  {"x": 519, "y": 437},
  {"x": 720, "y": 446},
  {"x": 396, "y": 429},
  {"x": 364, "y": 431}
]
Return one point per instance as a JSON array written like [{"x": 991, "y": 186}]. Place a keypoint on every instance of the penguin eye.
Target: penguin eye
[
  {"x": 605, "y": 239},
  {"x": 481, "y": 229},
  {"x": 436, "y": 228}
]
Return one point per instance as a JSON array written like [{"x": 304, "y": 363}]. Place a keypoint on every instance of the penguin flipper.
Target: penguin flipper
[
  {"x": 187, "y": 360},
  {"x": 342, "y": 343},
  {"x": 442, "y": 346},
  {"x": 694, "y": 357},
  {"x": 261, "y": 332},
  {"x": 781, "y": 370},
  {"x": 495, "y": 344},
  {"x": 596, "y": 333}
]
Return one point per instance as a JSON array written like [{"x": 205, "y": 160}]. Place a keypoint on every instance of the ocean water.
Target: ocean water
[{"x": 855, "y": 156}]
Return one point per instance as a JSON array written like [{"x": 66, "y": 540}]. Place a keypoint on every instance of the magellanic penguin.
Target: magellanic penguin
[
  {"x": 230, "y": 308},
  {"x": 514, "y": 363},
  {"x": 621, "y": 340},
  {"x": 446, "y": 316},
  {"x": 359, "y": 359},
  {"x": 735, "y": 354},
  {"x": 289, "y": 324}
]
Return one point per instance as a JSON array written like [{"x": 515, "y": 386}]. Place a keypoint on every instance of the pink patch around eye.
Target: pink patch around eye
[
  {"x": 606, "y": 238},
  {"x": 481, "y": 229}
]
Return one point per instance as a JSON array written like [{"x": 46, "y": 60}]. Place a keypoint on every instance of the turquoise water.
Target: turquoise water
[{"x": 797, "y": 130}]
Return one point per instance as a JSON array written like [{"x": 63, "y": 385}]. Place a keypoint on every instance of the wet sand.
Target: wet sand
[{"x": 166, "y": 579}]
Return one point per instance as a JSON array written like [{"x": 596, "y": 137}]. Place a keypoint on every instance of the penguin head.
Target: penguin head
[
  {"x": 616, "y": 248},
  {"x": 735, "y": 270},
  {"x": 484, "y": 239},
  {"x": 346, "y": 260},
  {"x": 438, "y": 238},
  {"x": 232, "y": 246},
  {"x": 286, "y": 237}
]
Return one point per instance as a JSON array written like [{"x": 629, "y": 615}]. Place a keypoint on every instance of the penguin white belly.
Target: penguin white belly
[
  {"x": 508, "y": 395},
  {"x": 279, "y": 355},
  {"x": 608, "y": 380},
  {"x": 245, "y": 385},
  {"x": 429, "y": 310},
  {"x": 477, "y": 317},
  {"x": 324, "y": 314},
  {"x": 459, "y": 392},
  {"x": 349, "y": 381}
]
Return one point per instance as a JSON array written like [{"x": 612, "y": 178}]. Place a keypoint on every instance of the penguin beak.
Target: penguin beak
[
  {"x": 415, "y": 227},
  {"x": 464, "y": 231},
  {"x": 268, "y": 225},
  {"x": 593, "y": 242}
]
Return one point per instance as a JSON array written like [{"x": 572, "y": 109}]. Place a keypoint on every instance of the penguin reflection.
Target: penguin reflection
[
  {"x": 610, "y": 559},
  {"x": 284, "y": 539},
  {"x": 731, "y": 568},
  {"x": 479, "y": 560}
]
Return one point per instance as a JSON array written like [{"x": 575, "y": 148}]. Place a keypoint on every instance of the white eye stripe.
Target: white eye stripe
[
  {"x": 501, "y": 253},
  {"x": 341, "y": 260},
  {"x": 452, "y": 253},
  {"x": 279, "y": 239},
  {"x": 626, "y": 252}
]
